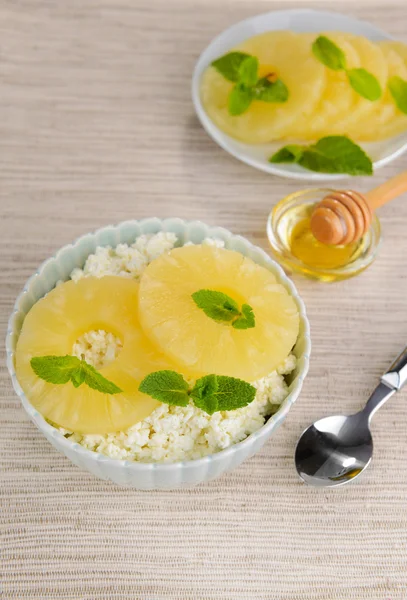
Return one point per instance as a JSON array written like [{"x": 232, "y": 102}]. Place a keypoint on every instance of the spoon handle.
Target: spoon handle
[
  {"x": 396, "y": 376},
  {"x": 381, "y": 394},
  {"x": 390, "y": 382},
  {"x": 387, "y": 191}
]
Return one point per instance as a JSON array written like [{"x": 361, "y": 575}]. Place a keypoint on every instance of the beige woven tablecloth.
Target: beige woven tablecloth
[{"x": 97, "y": 126}]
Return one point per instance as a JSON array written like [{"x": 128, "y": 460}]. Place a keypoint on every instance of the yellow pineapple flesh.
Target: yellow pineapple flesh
[
  {"x": 391, "y": 120},
  {"x": 337, "y": 98},
  {"x": 196, "y": 342},
  {"x": 52, "y": 327},
  {"x": 288, "y": 56},
  {"x": 371, "y": 58},
  {"x": 321, "y": 101},
  {"x": 368, "y": 120},
  {"x": 398, "y": 47}
]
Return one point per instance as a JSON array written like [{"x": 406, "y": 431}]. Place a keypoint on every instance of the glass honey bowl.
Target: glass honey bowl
[{"x": 297, "y": 250}]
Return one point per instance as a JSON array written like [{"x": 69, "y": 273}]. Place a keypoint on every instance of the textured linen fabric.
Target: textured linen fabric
[{"x": 97, "y": 126}]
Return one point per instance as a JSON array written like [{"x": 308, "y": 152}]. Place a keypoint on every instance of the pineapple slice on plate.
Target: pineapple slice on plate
[
  {"x": 385, "y": 120},
  {"x": 337, "y": 99},
  {"x": 373, "y": 60},
  {"x": 288, "y": 56},
  {"x": 400, "y": 123},
  {"x": 52, "y": 327},
  {"x": 200, "y": 344},
  {"x": 398, "y": 47}
]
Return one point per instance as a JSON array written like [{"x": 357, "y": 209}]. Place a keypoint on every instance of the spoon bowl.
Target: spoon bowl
[{"x": 334, "y": 450}]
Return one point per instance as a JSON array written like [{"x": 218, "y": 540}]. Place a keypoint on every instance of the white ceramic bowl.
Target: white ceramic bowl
[
  {"x": 300, "y": 20},
  {"x": 152, "y": 475}
]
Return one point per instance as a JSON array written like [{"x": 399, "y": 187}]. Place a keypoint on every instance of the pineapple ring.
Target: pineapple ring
[
  {"x": 201, "y": 345},
  {"x": 51, "y": 328},
  {"x": 337, "y": 98},
  {"x": 399, "y": 124},
  {"x": 386, "y": 120},
  {"x": 282, "y": 52},
  {"x": 398, "y": 47},
  {"x": 373, "y": 60}
]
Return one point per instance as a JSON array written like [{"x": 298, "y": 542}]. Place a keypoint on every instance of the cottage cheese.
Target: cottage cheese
[
  {"x": 97, "y": 347},
  {"x": 170, "y": 433}
]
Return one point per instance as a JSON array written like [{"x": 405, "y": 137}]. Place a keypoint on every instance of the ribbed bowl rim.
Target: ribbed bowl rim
[{"x": 162, "y": 225}]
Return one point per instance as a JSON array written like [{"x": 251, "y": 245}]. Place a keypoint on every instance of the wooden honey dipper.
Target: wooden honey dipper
[{"x": 344, "y": 216}]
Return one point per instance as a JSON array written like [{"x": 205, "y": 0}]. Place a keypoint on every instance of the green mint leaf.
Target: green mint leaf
[
  {"x": 329, "y": 53},
  {"x": 247, "y": 320},
  {"x": 365, "y": 84},
  {"x": 221, "y": 307},
  {"x": 78, "y": 376},
  {"x": 248, "y": 71},
  {"x": 239, "y": 99},
  {"x": 216, "y": 305},
  {"x": 96, "y": 381},
  {"x": 230, "y": 393},
  {"x": 333, "y": 146},
  {"x": 331, "y": 154},
  {"x": 313, "y": 161},
  {"x": 231, "y": 306},
  {"x": 355, "y": 163},
  {"x": 349, "y": 157},
  {"x": 204, "y": 393},
  {"x": 206, "y": 386},
  {"x": 229, "y": 65},
  {"x": 268, "y": 91},
  {"x": 249, "y": 314},
  {"x": 211, "y": 393},
  {"x": 62, "y": 369},
  {"x": 55, "y": 369},
  {"x": 289, "y": 154},
  {"x": 166, "y": 386},
  {"x": 398, "y": 89}
]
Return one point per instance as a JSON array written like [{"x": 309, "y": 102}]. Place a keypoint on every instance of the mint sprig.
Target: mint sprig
[
  {"x": 229, "y": 65},
  {"x": 166, "y": 386},
  {"x": 242, "y": 69},
  {"x": 363, "y": 82},
  {"x": 62, "y": 369},
  {"x": 331, "y": 154},
  {"x": 329, "y": 54},
  {"x": 239, "y": 99},
  {"x": 211, "y": 393},
  {"x": 247, "y": 74},
  {"x": 246, "y": 320},
  {"x": 222, "y": 308},
  {"x": 398, "y": 90},
  {"x": 270, "y": 91}
]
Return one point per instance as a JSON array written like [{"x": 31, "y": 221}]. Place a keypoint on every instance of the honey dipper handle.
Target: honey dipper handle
[{"x": 387, "y": 191}]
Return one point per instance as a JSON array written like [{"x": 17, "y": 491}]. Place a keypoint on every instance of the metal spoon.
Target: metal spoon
[{"x": 335, "y": 450}]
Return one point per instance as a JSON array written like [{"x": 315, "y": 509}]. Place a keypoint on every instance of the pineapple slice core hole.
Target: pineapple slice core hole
[{"x": 98, "y": 347}]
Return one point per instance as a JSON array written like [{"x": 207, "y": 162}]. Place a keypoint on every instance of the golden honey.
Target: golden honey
[
  {"x": 295, "y": 247},
  {"x": 309, "y": 250}
]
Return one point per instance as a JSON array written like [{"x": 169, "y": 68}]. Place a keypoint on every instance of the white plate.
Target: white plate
[{"x": 295, "y": 20}]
